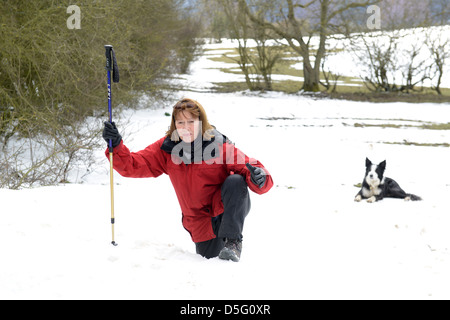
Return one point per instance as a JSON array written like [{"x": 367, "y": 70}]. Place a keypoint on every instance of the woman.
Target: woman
[{"x": 211, "y": 177}]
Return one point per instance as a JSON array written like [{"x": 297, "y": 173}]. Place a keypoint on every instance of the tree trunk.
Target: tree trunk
[{"x": 311, "y": 76}]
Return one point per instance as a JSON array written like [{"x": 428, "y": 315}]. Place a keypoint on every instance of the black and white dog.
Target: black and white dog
[{"x": 376, "y": 186}]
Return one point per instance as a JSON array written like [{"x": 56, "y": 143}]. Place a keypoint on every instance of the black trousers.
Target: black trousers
[{"x": 236, "y": 202}]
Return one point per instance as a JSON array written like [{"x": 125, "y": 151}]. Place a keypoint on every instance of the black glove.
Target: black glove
[
  {"x": 258, "y": 176},
  {"x": 110, "y": 132}
]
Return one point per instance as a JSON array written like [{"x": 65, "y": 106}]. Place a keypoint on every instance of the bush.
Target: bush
[{"x": 52, "y": 78}]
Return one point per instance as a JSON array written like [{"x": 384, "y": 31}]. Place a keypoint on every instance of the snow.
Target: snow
[{"x": 304, "y": 239}]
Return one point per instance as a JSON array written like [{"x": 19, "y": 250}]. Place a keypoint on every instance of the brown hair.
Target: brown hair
[{"x": 194, "y": 108}]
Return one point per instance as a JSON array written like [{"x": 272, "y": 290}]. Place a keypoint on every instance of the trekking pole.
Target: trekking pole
[{"x": 111, "y": 65}]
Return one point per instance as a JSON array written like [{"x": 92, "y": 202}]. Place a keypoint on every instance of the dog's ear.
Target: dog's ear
[
  {"x": 368, "y": 163},
  {"x": 383, "y": 164}
]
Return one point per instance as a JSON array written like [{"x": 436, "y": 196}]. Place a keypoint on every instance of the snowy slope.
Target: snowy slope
[{"x": 305, "y": 239}]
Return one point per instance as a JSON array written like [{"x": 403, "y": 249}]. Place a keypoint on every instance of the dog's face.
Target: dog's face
[{"x": 374, "y": 173}]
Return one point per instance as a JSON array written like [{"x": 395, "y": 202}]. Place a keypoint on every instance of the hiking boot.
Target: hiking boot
[{"x": 232, "y": 250}]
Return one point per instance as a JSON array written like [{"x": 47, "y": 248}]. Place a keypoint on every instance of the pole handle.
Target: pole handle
[
  {"x": 111, "y": 62},
  {"x": 108, "y": 50}
]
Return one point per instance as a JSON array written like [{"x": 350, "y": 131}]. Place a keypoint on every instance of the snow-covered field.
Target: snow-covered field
[{"x": 305, "y": 239}]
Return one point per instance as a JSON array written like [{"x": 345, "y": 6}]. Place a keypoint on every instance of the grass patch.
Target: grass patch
[
  {"x": 424, "y": 125},
  {"x": 409, "y": 143},
  {"x": 229, "y": 87},
  {"x": 421, "y": 97},
  {"x": 437, "y": 126},
  {"x": 287, "y": 86},
  {"x": 395, "y": 126}
]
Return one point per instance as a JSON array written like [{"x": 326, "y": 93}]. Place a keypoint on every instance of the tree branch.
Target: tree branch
[{"x": 352, "y": 6}]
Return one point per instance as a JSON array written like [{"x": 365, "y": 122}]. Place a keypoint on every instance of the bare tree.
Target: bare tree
[
  {"x": 256, "y": 64},
  {"x": 440, "y": 51},
  {"x": 399, "y": 60},
  {"x": 414, "y": 71},
  {"x": 295, "y": 24},
  {"x": 376, "y": 53},
  {"x": 330, "y": 79}
]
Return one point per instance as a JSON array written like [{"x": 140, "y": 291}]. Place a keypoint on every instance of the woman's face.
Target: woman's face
[{"x": 187, "y": 126}]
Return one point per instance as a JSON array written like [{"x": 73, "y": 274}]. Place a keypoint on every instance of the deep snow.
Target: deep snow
[{"x": 305, "y": 239}]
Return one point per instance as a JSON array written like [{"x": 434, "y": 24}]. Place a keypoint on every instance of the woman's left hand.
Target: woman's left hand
[{"x": 258, "y": 176}]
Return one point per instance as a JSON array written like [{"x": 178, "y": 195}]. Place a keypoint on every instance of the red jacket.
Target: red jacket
[{"x": 198, "y": 184}]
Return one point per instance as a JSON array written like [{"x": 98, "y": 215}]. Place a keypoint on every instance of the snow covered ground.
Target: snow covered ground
[{"x": 305, "y": 239}]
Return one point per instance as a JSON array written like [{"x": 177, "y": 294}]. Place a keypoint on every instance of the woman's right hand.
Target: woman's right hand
[{"x": 110, "y": 132}]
